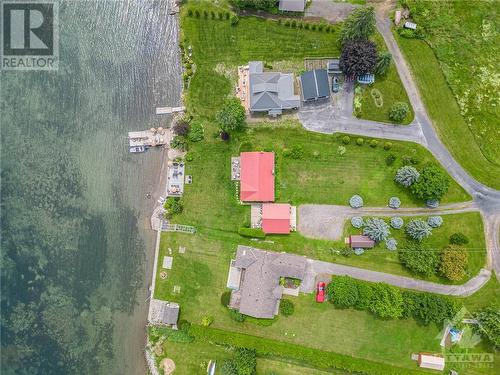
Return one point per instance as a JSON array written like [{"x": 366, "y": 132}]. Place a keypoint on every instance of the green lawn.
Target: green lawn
[
  {"x": 391, "y": 90},
  {"x": 458, "y": 66}
]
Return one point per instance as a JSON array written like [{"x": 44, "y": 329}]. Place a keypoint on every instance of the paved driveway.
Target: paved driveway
[{"x": 327, "y": 9}]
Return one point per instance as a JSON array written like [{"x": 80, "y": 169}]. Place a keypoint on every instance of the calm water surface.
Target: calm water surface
[{"x": 76, "y": 243}]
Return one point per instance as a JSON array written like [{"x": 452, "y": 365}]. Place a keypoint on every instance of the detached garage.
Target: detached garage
[{"x": 314, "y": 85}]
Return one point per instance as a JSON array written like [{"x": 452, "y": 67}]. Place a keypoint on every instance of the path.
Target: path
[
  {"x": 421, "y": 130},
  {"x": 315, "y": 267},
  {"x": 326, "y": 222}
]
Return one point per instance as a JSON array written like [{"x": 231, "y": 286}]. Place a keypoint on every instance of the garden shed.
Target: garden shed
[
  {"x": 430, "y": 361},
  {"x": 360, "y": 241}
]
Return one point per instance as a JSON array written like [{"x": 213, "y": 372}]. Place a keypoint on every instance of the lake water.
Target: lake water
[{"x": 77, "y": 248}]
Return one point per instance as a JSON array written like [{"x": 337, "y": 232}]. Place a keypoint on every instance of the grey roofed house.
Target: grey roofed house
[
  {"x": 271, "y": 91},
  {"x": 260, "y": 292},
  {"x": 292, "y": 5},
  {"x": 314, "y": 84},
  {"x": 163, "y": 312}
]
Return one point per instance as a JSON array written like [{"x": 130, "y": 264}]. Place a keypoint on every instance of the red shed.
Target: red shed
[
  {"x": 360, "y": 241},
  {"x": 276, "y": 218}
]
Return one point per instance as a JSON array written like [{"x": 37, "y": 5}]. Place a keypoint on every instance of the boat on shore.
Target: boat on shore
[{"x": 137, "y": 149}]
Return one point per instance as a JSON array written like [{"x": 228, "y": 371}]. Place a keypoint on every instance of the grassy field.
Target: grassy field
[
  {"x": 391, "y": 90},
  {"x": 457, "y": 80}
]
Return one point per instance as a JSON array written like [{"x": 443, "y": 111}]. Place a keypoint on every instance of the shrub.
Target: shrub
[
  {"x": 406, "y": 33},
  {"x": 390, "y": 159},
  {"x": 407, "y": 176},
  {"x": 341, "y": 150},
  {"x": 190, "y": 12},
  {"x": 228, "y": 367},
  {"x": 286, "y": 307},
  {"x": 391, "y": 244},
  {"x": 397, "y": 222},
  {"x": 245, "y": 147},
  {"x": 356, "y": 201},
  {"x": 387, "y": 146},
  {"x": 377, "y": 229},
  {"x": 297, "y": 151},
  {"x": 359, "y": 251},
  {"x": 225, "y": 298},
  {"x": 432, "y": 203},
  {"x": 287, "y": 23},
  {"x": 489, "y": 324},
  {"x": 313, "y": 26},
  {"x": 360, "y": 141},
  {"x": 206, "y": 321},
  {"x": 181, "y": 127},
  {"x": 343, "y": 291},
  {"x": 205, "y": 13},
  {"x": 435, "y": 221},
  {"x": 251, "y": 232},
  {"x": 227, "y": 15},
  {"x": 346, "y": 251},
  {"x": 346, "y": 139},
  {"x": 232, "y": 116},
  {"x": 246, "y": 361},
  {"x": 454, "y": 261},
  {"x": 179, "y": 142},
  {"x": 189, "y": 157},
  {"x": 365, "y": 295},
  {"x": 433, "y": 183},
  {"x": 293, "y": 23},
  {"x": 320, "y": 27},
  {"x": 197, "y": 132},
  {"x": 418, "y": 229},
  {"x": 418, "y": 259},
  {"x": 387, "y": 301},
  {"x": 459, "y": 239},
  {"x": 357, "y": 222},
  {"x": 429, "y": 308},
  {"x": 306, "y": 26},
  {"x": 399, "y": 111},
  {"x": 220, "y": 15},
  {"x": 212, "y": 14},
  {"x": 383, "y": 63},
  {"x": 173, "y": 205},
  {"x": 394, "y": 202},
  {"x": 197, "y": 13},
  {"x": 234, "y": 20},
  {"x": 373, "y": 143},
  {"x": 237, "y": 316}
]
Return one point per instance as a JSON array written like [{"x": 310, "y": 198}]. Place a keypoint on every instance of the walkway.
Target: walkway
[
  {"x": 315, "y": 267},
  {"x": 326, "y": 222},
  {"x": 421, "y": 130}
]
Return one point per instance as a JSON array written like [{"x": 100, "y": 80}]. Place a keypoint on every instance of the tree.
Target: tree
[
  {"x": 454, "y": 261},
  {"x": 357, "y": 222},
  {"x": 418, "y": 229},
  {"x": 489, "y": 324},
  {"x": 377, "y": 229},
  {"x": 428, "y": 307},
  {"x": 407, "y": 175},
  {"x": 397, "y": 222},
  {"x": 181, "y": 127},
  {"x": 435, "y": 221},
  {"x": 398, "y": 111},
  {"x": 391, "y": 244},
  {"x": 418, "y": 259},
  {"x": 394, "y": 202},
  {"x": 246, "y": 361},
  {"x": 360, "y": 25},
  {"x": 383, "y": 63},
  {"x": 343, "y": 291},
  {"x": 237, "y": 316},
  {"x": 286, "y": 307},
  {"x": 173, "y": 205},
  {"x": 358, "y": 57},
  {"x": 232, "y": 116},
  {"x": 387, "y": 301},
  {"x": 432, "y": 184},
  {"x": 229, "y": 367},
  {"x": 356, "y": 201},
  {"x": 459, "y": 239}
]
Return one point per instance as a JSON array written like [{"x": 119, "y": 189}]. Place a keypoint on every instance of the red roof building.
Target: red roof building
[
  {"x": 257, "y": 177},
  {"x": 276, "y": 218}
]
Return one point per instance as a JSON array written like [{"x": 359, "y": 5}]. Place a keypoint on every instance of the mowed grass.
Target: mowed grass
[
  {"x": 381, "y": 259},
  {"x": 202, "y": 272},
  {"x": 445, "y": 112},
  {"x": 391, "y": 90}
]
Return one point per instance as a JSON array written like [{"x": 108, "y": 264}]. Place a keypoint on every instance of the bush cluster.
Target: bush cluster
[
  {"x": 397, "y": 222},
  {"x": 251, "y": 232},
  {"x": 377, "y": 229},
  {"x": 435, "y": 221},
  {"x": 356, "y": 201},
  {"x": 459, "y": 239},
  {"x": 197, "y": 132},
  {"x": 386, "y": 301},
  {"x": 357, "y": 222},
  {"x": 394, "y": 202},
  {"x": 391, "y": 244},
  {"x": 286, "y": 307},
  {"x": 419, "y": 259},
  {"x": 173, "y": 206},
  {"x": 454, "y": 261},
  {"x": 237, "y": 316}
]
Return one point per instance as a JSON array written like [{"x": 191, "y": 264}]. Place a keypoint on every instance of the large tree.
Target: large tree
[
  {"x": 419, "y": 259},
  {"x": 358, "y": 57},
  {"x": 489, "y": 324},
  {"x": 433, "y": 183},
  {"x": 232, "y": 116},
  {"x": 360, "y": 25},
  {"x": 454, "y": 261}
]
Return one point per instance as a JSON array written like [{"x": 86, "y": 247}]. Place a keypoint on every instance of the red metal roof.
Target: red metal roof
[
  {"x": 276, "y": 218},
  {"x": 257, "y": 177}
]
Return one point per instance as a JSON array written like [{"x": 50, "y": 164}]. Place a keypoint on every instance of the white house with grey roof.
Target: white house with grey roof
[
  {"x": 271, "y": 92},
  {"x": 254, "y": 278}
]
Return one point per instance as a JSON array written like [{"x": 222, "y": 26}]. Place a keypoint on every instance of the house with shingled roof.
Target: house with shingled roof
[{"x": 257, "y": 176}]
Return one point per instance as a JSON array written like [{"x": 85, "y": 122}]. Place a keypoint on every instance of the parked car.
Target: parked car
[{"x": 320, "y": 292}]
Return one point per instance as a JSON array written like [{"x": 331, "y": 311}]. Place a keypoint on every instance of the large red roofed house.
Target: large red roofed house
[
  {"x": 257, "y": 177},
  {"x": 276, "y": 218}
]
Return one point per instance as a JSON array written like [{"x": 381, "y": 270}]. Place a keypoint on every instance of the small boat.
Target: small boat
[{"x": 137, "y": 149}]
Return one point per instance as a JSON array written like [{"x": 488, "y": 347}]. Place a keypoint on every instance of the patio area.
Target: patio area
[
  {"x": 243, "y": 87},
  {"x": 175, "y": 180}
]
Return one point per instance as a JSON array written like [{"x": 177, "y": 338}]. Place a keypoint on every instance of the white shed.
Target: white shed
[
  {"x": 431, "y": 361},
  {"x": 410, "y": 25}
]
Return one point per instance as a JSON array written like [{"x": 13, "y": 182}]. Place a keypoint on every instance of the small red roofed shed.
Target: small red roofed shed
[
  {"x": 257, "y": 177},
  {"x": 276, "y": 218}
]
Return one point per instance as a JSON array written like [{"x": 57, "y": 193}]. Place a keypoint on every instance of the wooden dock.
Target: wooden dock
[
  {"x": 169, "y": 110},
  {"x": 149, "y": 138}
]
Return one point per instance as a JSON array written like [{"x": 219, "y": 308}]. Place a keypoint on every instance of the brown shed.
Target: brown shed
[{"x": 360, "y": 241}]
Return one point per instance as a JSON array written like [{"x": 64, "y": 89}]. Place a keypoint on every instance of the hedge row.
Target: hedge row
[
  {"x": 251, "y": 232},
  {"x": 313, "y": 357}
]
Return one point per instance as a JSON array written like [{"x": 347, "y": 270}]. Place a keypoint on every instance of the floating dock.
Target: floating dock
[{"x": 168, "y": 110}]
